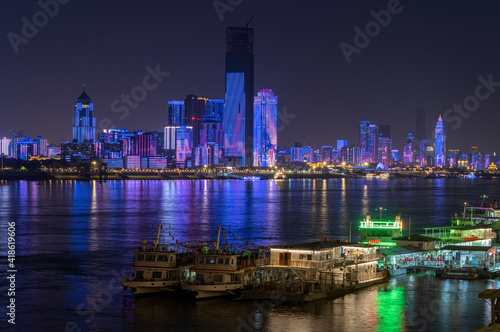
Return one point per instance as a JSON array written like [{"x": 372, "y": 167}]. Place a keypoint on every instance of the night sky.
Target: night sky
[{"x": 429, "y": 55}]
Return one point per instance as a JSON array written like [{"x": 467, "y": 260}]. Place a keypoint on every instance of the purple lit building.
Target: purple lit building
[
  {"x": 439, "y": 144},
  {"x": 265, "y": 132},
  {"x": 184, "y": 146},
  {"x": 408, "y": 149},
  {"x": 238, "y": 111}
]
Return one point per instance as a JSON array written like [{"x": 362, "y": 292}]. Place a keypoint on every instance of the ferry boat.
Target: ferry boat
[
  {"x": 251, "y": 178},
  {"x": 280, "y": 175},
  {"x": 157, "y": 268},
  {"x": 220, "y": 271}
]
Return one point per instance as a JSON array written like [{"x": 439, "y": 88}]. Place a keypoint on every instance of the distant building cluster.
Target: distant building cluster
[{"x": 238, "y": 131}]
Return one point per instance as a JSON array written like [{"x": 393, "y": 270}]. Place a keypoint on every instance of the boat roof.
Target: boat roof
[
  {"x": 318, "y": 245},
  {"x": 462, "y": 228},
  {"x": 466, "y": 248},
  {"x": 401, "y": 250},
  {"x": 416, "y": 237}
]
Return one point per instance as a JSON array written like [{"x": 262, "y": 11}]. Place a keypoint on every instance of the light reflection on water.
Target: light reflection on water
[{"x": 73, "y": 237}]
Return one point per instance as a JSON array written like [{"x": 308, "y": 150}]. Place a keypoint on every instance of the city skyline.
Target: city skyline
[{"x": 324, "y": 96}]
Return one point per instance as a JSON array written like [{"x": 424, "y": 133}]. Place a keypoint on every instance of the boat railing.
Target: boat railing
[{"x": 303, "y": 264}]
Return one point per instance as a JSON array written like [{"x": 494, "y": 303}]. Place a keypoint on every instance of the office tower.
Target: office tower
[
  {"x": 395, "y": 156},
  {"x": 423, "y": 152},
  {"x": 408, "y": 149},
  {"x": 368, "y": 135},
  {"x": 84, "y": 121},
  {"x": 4, "y": 146},
  {"x": 420, "y": 131},
  {"x": 384, "y": 131},
  {"x": 42, "y": 146},
  {"x": 215, "y": 107},
  {"x": 169, "y": 133},
  {"x": 327, "y": 154},
  {"x": 184, "y": 146},
  {"x": 175, "y": 112},
  {"x": 384, "y": 151},
  {"x": 15, "y": 136},
  {"x": 439, "y": 144},
  {"x": 265, "y": 132},
  {"x": 209, "y": 152},
  {"x": 238, "y": 111},
  {"x": 342, "y": 143},
  {"x": 145, "y": 144},
  {"x": 194, "y": 109},
  {"x": 26, "y": 148}
]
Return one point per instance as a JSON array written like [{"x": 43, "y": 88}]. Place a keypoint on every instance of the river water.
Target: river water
[{"x": 74, "y": 239}]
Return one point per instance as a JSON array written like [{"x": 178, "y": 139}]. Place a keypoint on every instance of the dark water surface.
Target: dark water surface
[{"x": 75, "y": 238}]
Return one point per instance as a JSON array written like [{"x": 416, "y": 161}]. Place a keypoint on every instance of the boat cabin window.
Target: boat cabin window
[
  {"x": 305, "y": 257},
  {"x": 140, "y": 258},
  {"x": 171, "y": 258},
  {"x": 328, "y": 256},
  {"x": 218, "y": 278},
  {"x": 211, "y": 260},
  {"x": 150, "y": 258},
  {"x": 200, "y": 276},
  {"x": 156, "y": 274},
  {"x": 139, "y": 274},
  {"x": 223, "y": 261},
  {"x": 162, "y": 258},
  {"x": 200, "y": 260},
  {"x": 321, "y": 257}
]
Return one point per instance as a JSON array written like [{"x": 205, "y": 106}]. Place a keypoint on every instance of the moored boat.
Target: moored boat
[{"x": 157, "y": 268}]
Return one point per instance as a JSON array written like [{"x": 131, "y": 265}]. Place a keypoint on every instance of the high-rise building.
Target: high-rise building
[
  {"x": 368, "y": 135},
  {"x": 175, "y": 112},
  {"x": 42, "y": 146},
  {"x": 384, "y": 151},
  {"x": 215, "y": 107},
  {"x": 238, "y": 111},
  {"x": 342, "y": 143},
  {"x": 420, "y": 131},
  {"x": 209, "y": 151},
  {"x": 4, "y": 146},
  {"x": 327, "y": 154},
  {"x": 439, "y": 144},
  {"x": 194, "y": 109},
  {"x": 408, "y": 149},
  {"x": 26, "y": 148},
  {"x": 184, "y": 146},
  {"x": 84, "y": 121},
  {"x": 423, "y": 153},
  {"x": 265, "y": 133}
]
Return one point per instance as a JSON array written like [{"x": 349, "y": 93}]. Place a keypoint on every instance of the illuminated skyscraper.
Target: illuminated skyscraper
[
  {"x": 423, "y": 152},
  {"x": 84, "y": 121},
  {"x": 368, "y": 135},
  {"x": 238, "y": 111},
  {"x": 342, "y": 143},
  {"x": 194, "y": 109},
  {"x": 215, "y": 107},
  {"x": 175, "y": 112},
  {"x": 265, "y": 133},
  {"x": 184, "y": 146},
  {"x": 439, "y": 144},
  {"x": 408, "y": 149},
  {"x": 384, "y": 151}
]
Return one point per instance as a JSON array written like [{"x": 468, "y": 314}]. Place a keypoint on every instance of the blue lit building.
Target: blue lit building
[
  {"x": 209, "y": 152},
  {"x": 265, "y": 132},
  {"x": 84, "y": 121},
  {"x": 184, "y": 146},
  {"x": 238, "y": 111},
  {"x": 215, "y": 107},
  {"x": 408, "y": 149},
  {"x": 368, "y": 136},
  {"x": 439, "y": 144},
  {"x": 26, "y": 148},
  {"x": 342, "y": 143},
  {"x": 176, "y": 112}
]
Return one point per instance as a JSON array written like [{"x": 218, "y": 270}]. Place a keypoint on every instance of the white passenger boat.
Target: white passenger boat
[
  {"x": 157, "y": 268},
  {"x": 221, "y": 271}
]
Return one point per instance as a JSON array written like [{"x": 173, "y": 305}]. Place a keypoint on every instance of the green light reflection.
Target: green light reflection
[{"x": 391, "y": 304}]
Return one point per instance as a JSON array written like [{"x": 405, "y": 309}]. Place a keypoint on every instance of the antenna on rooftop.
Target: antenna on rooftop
[{"x": 247, "y": 22}]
